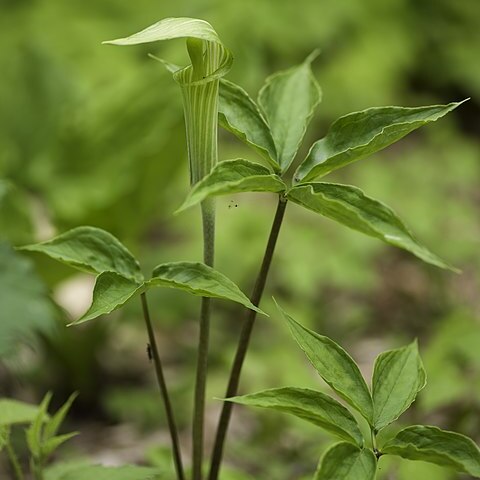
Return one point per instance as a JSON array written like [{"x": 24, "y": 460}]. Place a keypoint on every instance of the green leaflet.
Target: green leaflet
[
  {"x": 13, "y": 412},
  {"x": 309, "y": 405},
  {"x": 199, "y": 82},
  {"x": 431, "y": 444},
  {"x": 345, "y": 461},
  {"x": 240, "y": 115},
  {"x": 34, "y": 432},
  {"x": 111, "y": 291},
  {"x": 359, "y": 134},
  {"x": 334, "y": 365},
  {"x": 234, "y": 176},
  {"x": 397, "y": 378},
  {"x": 91, "y": 250},
  {"x": 349, "y": 206},
  {"x": 199, "y": 279},
  {"x": 288, "y": 99}
]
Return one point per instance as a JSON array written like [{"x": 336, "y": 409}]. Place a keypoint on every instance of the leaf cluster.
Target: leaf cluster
[{"x": 398, "y": 376}]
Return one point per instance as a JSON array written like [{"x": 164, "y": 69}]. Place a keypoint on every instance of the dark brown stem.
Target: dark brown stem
[
  {"x": 244, "y": 342},
  {"x": 177, "y": 456}
]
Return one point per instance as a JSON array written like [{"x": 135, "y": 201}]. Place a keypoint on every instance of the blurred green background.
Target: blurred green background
[{"x": 91, "y": 134}]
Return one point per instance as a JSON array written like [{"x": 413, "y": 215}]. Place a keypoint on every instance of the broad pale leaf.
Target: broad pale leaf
[
  {"x": 91, "y": 250},
  {"x": 349, "y": 206},
  {"x": 98, "y": 472},
  {"x": 309, "y": 405},
  {"x": 111, "y": 291},
  {"x": 198, "y": 279},
  {"x": 14, "y": 411},
  {"x": 334, "y": 365},
  {"x": 240, "y": 115},
  {"x": 397, "y": 378},
  {"x": 359, "y": 134},
  {"x": 431, "y": 444},
  {"x": 288, "y": 100},
  {"x": 345, "y": 461},
  {"x": 234, "y": 176}
]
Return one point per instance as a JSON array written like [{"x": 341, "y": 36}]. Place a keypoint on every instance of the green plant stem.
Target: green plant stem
[
  {"x": 36, "y": 468},
  {"x": 244, "y": 340},
  {"x": 177, "y": 456},
  {"x": 208, "y": 218},
  {"x": 17, "y": 469}
]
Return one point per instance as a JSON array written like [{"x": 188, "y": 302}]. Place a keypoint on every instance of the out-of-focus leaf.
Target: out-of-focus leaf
[
  {"x": 397, "y": 378},
  {"x": 15, "y": 219},
  {"x": 240, "y": 115},
  {"x": 4, "y": 436},
  {"x": 51, "y": 444},
  {"x": 309, "y": 405},
  {"x": 34, "y": 432},
  {"x": 349, "y": 206},
  {"x": 25, "y": 306},
  {"x": 14, "y": 411},
  {"x": 345, "y": 461},
  {"x": 198, "y": 279},
  {"x": 52, "y": 426},
  {"x": 98, "y": 472},
  {"x": 288, "y": 100},
  {"x": 334, "y": 365},
  {"x": 91, "y": 250},
  {"x": 111, "y": 292},
  {"x": 431, "y": 444},
  {"x": 234, "y": 176},
  {"x": 359, "y": 134}
]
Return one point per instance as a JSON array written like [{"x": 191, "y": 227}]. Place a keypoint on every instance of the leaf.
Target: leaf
[
  {"x": 13, "y": 412},
  {"x": 288, "y": 100},
  {"x": 34, "y": 432},
  {"x": 234, "y": 176},
  {"x": 198, "y": 279},
  {"x": 359, "y": 134},
  {"x": 240, "y": 115},
  {"x": 4, "y": 436},
  {"x": 188, "y": 28},
  {"x": 345, "y": 461},
  {"x": 349, "y": 206},
  {"x": 24, "y": 303},
  {"x": 334, "y": 365},
  {"x": 50, "y": 445},
  {"x": 52, "y": 426},
  {"x": 397, "y": 378},
  {"x": 111, "y": 291},
  {"x": 309, "y": 405},
  {"x": 98, "y": 472},
  {"x": 91, "y": 250},
  {"x": 431, "y": 444}
]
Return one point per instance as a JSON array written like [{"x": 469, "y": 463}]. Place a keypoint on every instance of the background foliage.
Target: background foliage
[{"x": 94, "y": 135}]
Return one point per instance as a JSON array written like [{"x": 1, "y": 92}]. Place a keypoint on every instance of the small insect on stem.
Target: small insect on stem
[{"x": 149, "y": 352}]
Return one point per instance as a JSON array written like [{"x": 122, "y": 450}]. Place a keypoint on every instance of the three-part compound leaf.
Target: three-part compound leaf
[
  {"x": 314, "y": 407},
  {"x": 199, "y": 279},
  {"x": 345, "y": 461},
  {"x": 431, "y": 444},
  {"x": 240, "y": 115},
  {"x": 349, "y": 206},
  {"x": 91, "y": 250},
  {"x": 335, "y": 366},
  {"x": 397, "y": 378},
  {"x": 359, "y": 134},
  {"x": 234, "y": 176},
  {"x": 288, "y": 100}
]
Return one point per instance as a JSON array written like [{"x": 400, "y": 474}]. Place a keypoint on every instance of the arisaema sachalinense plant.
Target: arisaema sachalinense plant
[
  {"x": 274, "y": 127},
  {"x": 199, "y": 83},
  {"x": 398, "y": 376},
  {"x": 119, "y": 279}
]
